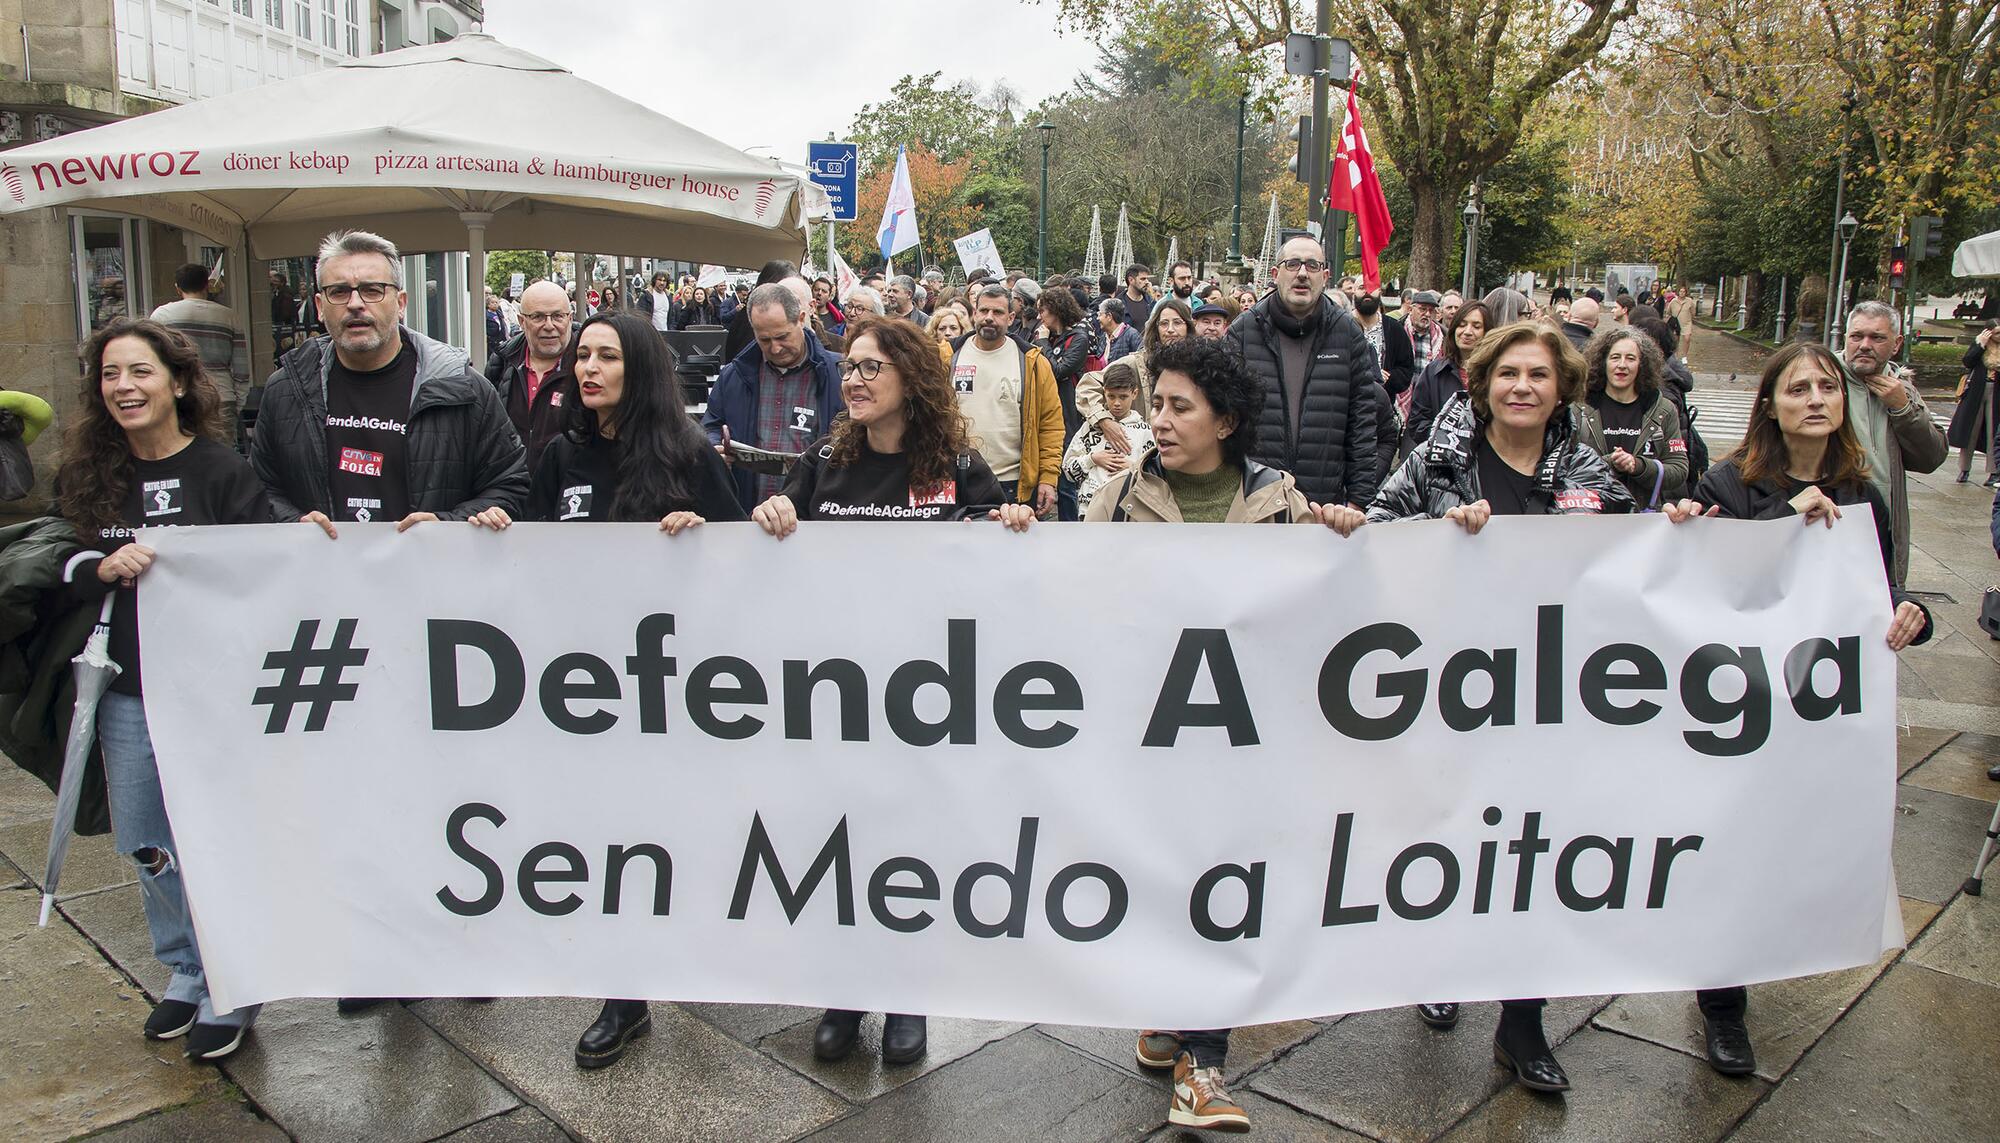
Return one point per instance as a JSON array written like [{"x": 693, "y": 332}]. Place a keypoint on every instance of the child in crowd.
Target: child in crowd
[{"x": 1089, "y": 461}]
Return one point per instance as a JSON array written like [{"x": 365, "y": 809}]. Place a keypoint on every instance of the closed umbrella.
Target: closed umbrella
[{"x": 94, "y": 672}]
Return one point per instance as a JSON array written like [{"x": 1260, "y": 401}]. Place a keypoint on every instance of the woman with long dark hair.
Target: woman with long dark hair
[
  {"x": 628, "y": 452},
  {"x": 1800, "y": 457},
  {"x": 143, "y": 449},
  {"x": 900, "y": 453},
  {"x": 1444, "y": 376}
]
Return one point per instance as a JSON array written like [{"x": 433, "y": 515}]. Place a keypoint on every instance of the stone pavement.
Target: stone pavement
[{"x": 1905, "y": 1049}]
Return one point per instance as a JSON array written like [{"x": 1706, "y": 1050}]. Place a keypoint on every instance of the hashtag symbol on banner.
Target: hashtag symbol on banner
[{"x": 302, "y": 656}]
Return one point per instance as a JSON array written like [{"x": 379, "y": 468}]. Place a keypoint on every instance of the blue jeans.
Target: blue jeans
[{"x": 139, "y": 819}]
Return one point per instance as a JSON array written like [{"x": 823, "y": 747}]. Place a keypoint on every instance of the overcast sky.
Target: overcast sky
[{"x": 775, "y": 73}]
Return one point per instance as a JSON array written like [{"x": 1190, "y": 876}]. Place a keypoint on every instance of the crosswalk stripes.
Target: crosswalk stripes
[{"x": 1724, "y": 415}]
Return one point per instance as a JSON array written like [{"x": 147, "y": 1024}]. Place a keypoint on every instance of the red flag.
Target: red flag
[{"x": 1355, "y": 189}]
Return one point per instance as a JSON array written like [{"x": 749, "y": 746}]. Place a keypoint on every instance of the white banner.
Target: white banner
[
  {"x": 1052, "y": 777},
  {"x": 976, "y": 250}
]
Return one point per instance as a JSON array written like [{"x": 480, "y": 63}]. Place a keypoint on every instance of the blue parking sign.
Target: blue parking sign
[{"x": 832, "y": 166}]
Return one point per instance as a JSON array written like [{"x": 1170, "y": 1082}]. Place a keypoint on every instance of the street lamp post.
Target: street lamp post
[
  {"x": 1042, "y": 222},
  {"x": 1236, "y": 212},
  {"x": 1848, "y": 225},
  {"x": 1471, "y": 241}
]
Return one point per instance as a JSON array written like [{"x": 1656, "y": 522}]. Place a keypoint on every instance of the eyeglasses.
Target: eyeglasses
[
  {"x": 545, "y": 319},
  {"x": 869, "y": 369},
  {"x": 1310, "y": 265},
  {"x": 341, "y": 294}
]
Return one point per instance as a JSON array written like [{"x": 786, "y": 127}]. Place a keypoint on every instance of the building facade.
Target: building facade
[{"x": 80, "y": 63}]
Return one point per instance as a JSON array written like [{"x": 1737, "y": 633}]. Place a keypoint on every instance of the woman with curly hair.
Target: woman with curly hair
[
  {"x": 145, "y": 450},
  {"x": 1626, "y": 420},
  {"x": 1205, "y": 413},
  {"x": 900, "y": 453}
]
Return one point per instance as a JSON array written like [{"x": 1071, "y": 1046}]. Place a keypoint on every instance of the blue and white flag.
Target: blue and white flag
[{"x": 898, "y": 231}]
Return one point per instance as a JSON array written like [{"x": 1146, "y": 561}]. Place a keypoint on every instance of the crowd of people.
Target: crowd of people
[{"x": 1007, "y": 400}]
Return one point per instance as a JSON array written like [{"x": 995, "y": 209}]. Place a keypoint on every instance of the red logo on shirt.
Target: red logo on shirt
[
  {"x": 1579, "y": 500},
  {"x": 1677, "y": 445},
  {"x": 943, "y": 492},
  {"x": 360, "y": 462}
]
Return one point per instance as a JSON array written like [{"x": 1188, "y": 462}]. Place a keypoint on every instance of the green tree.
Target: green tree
[
  {"x": 948, "y": 119},
  {"x": 1447, "y": 85},
  {"x": 502, "y": 265}
]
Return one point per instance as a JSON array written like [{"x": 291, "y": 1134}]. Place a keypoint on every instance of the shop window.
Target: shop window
[{"x": 111, "y": 277}]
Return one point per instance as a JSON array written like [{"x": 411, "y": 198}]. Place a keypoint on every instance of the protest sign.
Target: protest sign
[
  {"x": 976, "y": 251},
  {"x": 1315, "y": 774}
]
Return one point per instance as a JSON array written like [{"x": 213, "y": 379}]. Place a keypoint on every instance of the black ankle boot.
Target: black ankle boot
[
  {"x": 1520, "y": 1046},
  {"x": 903, "y": 1038},
  {"x": 835, "y": 1036},
  {"x": 604, "y": 1042}
]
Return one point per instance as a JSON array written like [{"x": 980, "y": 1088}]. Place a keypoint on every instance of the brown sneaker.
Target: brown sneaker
[
  {"x": 1157, "y": 1049},
  {"x": 1200, "y": 1100}
]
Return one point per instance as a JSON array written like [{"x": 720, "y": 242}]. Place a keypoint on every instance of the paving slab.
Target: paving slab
[
  {"x": 222, "y": 1120},
  {"x": 1952, "y": 669},
  {"x": 1249, "y": 1048},
  {"x": 1270, "y": 1122},
  {"x": 1915, "y": 1060},
  {"x": 1914, "y": 744},
  {"x": 23, "y": 798},
  {"x": 1937, "y": 838},
  {"x": 1786, "y": 1017},
  {"x": 72, "y": 1059},
  {"x": 1964, "y": 942},
  {"x": 863, "y": 1076},
  {"x": 1027, "y": 1086},
  {"x": 1620, "y": 1089},
  {"x": 1389, "y": 1075},
  {"x": 93, "y": 863},
  {"x": 382, "y": 1076},
  {"x": 752, "y": 1022},
  {"x": 1960, "y": 768},
  {"x": 115, "y": 921},
  {"x": 684, "y": 1081},
  {"x": 522, "y": 1125}
]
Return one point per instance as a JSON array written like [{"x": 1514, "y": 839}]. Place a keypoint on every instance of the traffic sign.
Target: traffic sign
[{"x": 833, "y": 166}]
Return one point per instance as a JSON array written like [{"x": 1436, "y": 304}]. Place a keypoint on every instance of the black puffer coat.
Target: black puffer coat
[
  {"x": 461, "y": 451},
  {"x": 1334, "y": 458},
  {"x": 1440, "y": 475}
]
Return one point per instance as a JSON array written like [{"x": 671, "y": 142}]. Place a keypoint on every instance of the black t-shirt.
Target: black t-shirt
[
  {"x": 876, "y": 486},
  {"x": 578, "y": 481},
  {"x": 1505, "y": 490},
  {"x": 1624, "y": 425},
  {"x": 204, "y": 483},
  {"x": 367, "y": 422}
]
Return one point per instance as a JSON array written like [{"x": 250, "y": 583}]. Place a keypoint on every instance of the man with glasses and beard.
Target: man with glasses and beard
[
  {"x": 1320, "y": 414},
  {"x": 523, "y": 369},
  {"x": 374, "y": 422}
]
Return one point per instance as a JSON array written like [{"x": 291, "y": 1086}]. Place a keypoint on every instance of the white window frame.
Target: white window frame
[{"x": 138, "y": 302}]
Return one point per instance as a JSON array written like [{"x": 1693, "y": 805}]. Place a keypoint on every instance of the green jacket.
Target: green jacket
[
  {"x": 41, "y": 629},
  {"x": 1662, "y": 455}
]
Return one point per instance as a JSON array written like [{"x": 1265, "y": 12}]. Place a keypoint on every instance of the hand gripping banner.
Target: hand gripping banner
[{"x": 1044, "y": 777}]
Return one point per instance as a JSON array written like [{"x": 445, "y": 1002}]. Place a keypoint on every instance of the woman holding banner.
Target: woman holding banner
[
  {"x": 144, "y": 449},
  {"x": 1205, "y": 411},
  {"x": 900, "y": 453},
  {"x": 1507, "y": 447},
  {"x": 1799, "y": 457},
  {"x": 628, "y": 452}
]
